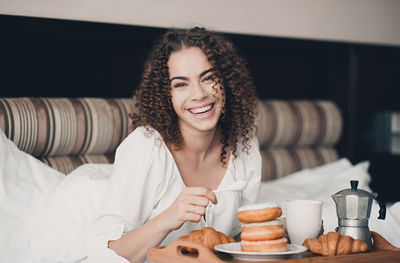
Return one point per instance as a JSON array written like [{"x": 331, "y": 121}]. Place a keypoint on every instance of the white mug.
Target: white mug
[{"x": 303, "y": 220}]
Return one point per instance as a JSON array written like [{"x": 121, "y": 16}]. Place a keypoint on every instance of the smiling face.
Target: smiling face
[{"x": 197, "y": 97}]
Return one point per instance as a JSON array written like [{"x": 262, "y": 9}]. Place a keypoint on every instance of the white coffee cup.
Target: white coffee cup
[{"x": 303, "y": 220}]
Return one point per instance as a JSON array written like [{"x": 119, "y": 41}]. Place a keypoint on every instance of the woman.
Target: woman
[
  {"x": 193, "y": 135},
  {"x": 196, "y": 109}
]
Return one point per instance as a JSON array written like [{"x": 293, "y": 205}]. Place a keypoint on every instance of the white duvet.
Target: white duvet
[{"x": 25, "y": 184}]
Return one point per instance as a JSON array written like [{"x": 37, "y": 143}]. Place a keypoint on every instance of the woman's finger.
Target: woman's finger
[
  {"x": 192, "y": 217},
  {"x": 211, "y": 195},
  {"x": 195, "y": 209},
  {"x": 202, "y": 191},
  {"x": 198, "y": 200}
]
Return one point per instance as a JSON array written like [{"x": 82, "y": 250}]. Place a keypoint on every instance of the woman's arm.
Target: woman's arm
[
  {"x": 140, "y": 170},
  {"x": 128, "y": 201},
  {"x": 189, "y": 206},
  {"x": 133, "y": 246}
]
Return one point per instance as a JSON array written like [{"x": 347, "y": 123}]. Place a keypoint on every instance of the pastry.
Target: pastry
[
  {"x": 333, "y": 244},
  {"x": 207, "y": 236},
  {"x": 273, "y": 245},
  {"x": 262, "y": 231},
  {"x": 259, "y": 212}
]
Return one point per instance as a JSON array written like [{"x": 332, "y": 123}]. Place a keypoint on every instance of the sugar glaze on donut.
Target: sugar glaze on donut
[{"x": 259, "y": 212}]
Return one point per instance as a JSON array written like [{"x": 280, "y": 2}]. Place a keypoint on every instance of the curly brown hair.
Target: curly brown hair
[{"x": 153, "y": 96}]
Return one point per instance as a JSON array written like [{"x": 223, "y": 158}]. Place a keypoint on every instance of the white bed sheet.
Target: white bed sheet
[{"x": 25, "y": 184}]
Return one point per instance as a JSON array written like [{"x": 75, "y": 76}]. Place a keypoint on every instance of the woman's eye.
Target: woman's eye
[
  {"x": 178, "y": 85},
  {"x": 208, "y": 78}
]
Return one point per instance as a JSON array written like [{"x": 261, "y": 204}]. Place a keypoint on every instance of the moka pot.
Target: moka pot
[{"x": 353, "y": 207}]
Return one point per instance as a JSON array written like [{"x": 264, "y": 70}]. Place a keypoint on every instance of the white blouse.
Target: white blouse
[{"x": 146, "y": 181}]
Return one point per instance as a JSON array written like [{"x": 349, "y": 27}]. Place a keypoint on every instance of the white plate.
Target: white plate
[{"x": 234, "y": 250}]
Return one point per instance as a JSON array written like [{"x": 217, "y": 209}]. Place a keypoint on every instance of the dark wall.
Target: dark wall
[
  {"x": 59, "y": 58},
  {"x": 56, "y": 58}
]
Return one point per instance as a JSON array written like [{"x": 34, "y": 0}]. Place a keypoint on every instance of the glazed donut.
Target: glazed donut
[
  {"x": 262, "y": 231},
  {"x": 259, "y": 212},
  {"x": 274, "y": 245}
]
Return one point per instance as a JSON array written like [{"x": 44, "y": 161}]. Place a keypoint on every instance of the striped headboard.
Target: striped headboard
[
  {"x": 67, "y": 132},
  {"x": 295, "y": 135}
]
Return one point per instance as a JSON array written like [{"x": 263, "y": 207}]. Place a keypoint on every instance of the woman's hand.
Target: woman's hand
[{"x": 190, "y": 205}]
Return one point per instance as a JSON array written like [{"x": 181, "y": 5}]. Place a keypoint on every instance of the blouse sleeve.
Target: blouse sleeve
[{"x": 129, "y": 199}]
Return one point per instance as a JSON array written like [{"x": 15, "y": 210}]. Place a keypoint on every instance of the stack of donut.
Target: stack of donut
[{"x": 261, "y": 231}]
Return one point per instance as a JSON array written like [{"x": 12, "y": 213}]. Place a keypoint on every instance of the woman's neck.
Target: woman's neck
[{"x": 200, "y": 144}]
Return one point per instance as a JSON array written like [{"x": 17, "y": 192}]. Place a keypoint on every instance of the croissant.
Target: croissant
[
  {"x": 335, "y": 244},
  {"x": 209, "y": 237}
]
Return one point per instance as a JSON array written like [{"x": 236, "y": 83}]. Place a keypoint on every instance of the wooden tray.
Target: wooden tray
[{"x": 382, "y": 252}]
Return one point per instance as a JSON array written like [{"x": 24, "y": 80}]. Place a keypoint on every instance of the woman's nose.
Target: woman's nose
[{"x": 198, "y": 91}]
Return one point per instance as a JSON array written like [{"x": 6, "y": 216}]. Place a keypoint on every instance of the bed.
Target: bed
[{"x": 43, "y": 140}]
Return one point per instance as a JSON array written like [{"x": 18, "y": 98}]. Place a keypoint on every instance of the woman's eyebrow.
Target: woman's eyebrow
[
  {"x": 182, "y": 78},
  {"x": 206, "y": 71},
  {"x": 201, "y": 75}
]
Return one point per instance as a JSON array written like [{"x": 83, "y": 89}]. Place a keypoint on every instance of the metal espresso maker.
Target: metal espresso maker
[{"x": 353, "y": 207}]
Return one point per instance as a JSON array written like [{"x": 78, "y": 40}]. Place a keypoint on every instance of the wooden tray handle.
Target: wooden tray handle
[
  {"x": 381, "y": 243},
  {"x": 175, "y": 251}
]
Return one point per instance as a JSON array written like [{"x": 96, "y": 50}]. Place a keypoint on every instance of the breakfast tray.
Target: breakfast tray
[{"x": 382, "y": 251}]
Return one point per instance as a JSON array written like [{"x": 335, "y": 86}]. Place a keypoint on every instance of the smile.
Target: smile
[{"x": 201, "y": 110}]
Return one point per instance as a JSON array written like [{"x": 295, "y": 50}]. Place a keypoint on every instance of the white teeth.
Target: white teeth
[{"x": 201, "y": 110}]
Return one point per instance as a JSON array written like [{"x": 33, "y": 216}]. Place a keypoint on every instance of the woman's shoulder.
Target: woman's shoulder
[
  {"x": 142, "y": 136},
  {"x": 144, "y": 148},
  {"x": 143, "y": 133}
]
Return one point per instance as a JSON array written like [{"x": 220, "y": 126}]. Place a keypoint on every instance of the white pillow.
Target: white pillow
[
  {"x": 25, "y": 183},
  {"x": 62, "y": 226},
  {"x": 318, "y": 183}
]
